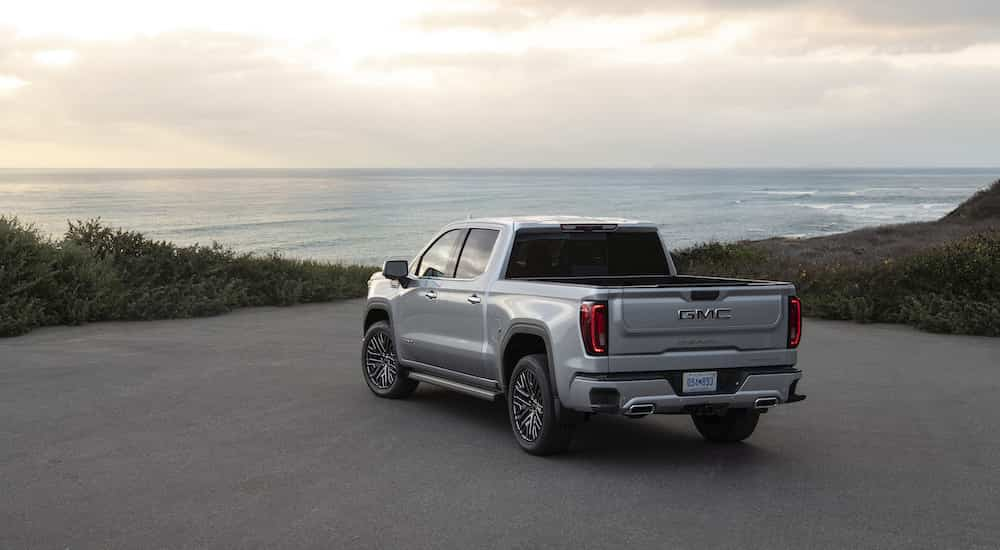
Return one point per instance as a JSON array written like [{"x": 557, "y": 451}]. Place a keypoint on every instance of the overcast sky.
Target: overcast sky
[{"x": 525, "y": 83}]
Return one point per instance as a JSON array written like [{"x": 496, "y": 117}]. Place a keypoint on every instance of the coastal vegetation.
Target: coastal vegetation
[
  {"x": 96, "y": 273},
  {"x": 941, "y": 276}
]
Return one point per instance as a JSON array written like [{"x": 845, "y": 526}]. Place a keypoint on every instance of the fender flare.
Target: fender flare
[
  {"x": 535, "y": 328},
  {"x": 379, "y": 305}
]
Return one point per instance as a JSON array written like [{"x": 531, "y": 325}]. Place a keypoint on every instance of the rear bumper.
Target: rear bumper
[{"x": 618, "y": 392}]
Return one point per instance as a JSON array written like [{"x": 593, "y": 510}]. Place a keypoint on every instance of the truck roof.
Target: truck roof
[{"x": 518, "y": 222}]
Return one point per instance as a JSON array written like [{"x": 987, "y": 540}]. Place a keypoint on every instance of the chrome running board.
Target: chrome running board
[{"x": 482, "y": 393}]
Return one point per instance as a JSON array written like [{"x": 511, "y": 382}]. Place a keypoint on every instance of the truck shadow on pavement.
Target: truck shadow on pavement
[{"x": 615, "y": 440}]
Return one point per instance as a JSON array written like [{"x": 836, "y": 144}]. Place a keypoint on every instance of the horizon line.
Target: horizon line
[{"x": 504, "y": 168}]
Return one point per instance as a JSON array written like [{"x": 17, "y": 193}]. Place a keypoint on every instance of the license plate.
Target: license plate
[{"x": 695, "y": 382}]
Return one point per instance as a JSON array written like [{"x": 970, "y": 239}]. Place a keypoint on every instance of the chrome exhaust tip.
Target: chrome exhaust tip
[
  {"x": 640, "y": 410},
  {"x": 765, "y": 402}
]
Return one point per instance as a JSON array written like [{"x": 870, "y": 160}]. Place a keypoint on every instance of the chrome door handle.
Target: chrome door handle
[
  {"x": 431, "y": 295},
  {"x": 473, "y": 299}
]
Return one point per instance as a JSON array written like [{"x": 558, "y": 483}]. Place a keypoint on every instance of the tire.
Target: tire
[
  {"x": 736, "y": 425},
  {"x": 531, "y": 404},
  {"x": 380, "y": 364}
]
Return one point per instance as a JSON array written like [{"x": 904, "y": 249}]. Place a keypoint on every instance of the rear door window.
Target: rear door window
[
  {"x": 476, "y": 253},
  {"x": 441, "y": 257}
]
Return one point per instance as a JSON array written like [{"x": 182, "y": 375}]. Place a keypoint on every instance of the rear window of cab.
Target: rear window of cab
[{"x": 555, "y": 253}]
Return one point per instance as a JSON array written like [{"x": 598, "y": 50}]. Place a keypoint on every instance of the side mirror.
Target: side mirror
[{"x": 396, "y": 270}]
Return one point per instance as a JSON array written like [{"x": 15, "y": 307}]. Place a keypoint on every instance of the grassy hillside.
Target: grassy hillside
[
  {"x": 96, "y": 273},
  {"x": 942, "y": 276}
]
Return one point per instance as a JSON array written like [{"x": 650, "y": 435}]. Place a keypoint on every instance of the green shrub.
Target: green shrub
[
  {"x": 98, "y": 273},
  {"x": 948, "y": 288},
  {"x": 82, "y": 287},
  {"x": 721, "y": 259},
  {"x": 26, "y": 261},
  {"x": 20, "y": 314},
  {"x": 942, "y": 313}
]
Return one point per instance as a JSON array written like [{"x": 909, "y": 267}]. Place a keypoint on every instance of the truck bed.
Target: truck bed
[{"x": 654, "y": 281}]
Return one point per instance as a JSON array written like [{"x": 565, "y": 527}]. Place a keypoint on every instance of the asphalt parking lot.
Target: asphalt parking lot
[{"x": 254, "y": 429}]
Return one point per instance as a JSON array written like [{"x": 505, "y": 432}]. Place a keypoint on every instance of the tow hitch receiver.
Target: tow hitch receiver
[{"x": 707, "y": 408}]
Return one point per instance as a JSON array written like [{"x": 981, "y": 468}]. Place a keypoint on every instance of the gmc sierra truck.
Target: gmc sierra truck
[{"x": 566, "y": 317}]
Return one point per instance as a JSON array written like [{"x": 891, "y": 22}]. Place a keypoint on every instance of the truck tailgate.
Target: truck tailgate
[{"x": 647, "y": 320}]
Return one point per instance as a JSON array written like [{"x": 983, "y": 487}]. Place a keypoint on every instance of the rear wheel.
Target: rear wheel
[
  {"x": 532, "y": 406},
  {"x": 735, "y": 425},
  {"x": 380, "y": 365}
]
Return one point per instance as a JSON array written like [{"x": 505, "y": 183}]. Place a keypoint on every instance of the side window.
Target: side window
[
  {"x": 476, "y": 253},
  {"x": 439, "y": 260}
]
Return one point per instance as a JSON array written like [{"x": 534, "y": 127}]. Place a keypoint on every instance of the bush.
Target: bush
[
  {"x": 81, "y": 288},
  {"x": 97, "y": 273},
  {"x": 942, "y": 313},
  {"x": 723, "y": 259},
  {"x": 26, "y": 261},
  {"x": 949, "y": 288}
]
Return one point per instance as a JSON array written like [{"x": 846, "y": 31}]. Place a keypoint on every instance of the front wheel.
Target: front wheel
[
  {"x": 735, "y": 425},
  {"x": 532, "y": 407},
  {"x": 380, "y": 365}
]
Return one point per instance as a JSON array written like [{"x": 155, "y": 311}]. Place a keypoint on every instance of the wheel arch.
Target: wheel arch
[
  {"x": 524, "y": 338},
  {"x": 376, "y": 312}
]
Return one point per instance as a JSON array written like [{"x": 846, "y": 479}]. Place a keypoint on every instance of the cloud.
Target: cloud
[
  {"x": 209, "y": 88},
  {"x": 808, "y": 33},
  {"x": 897, "y": 12},
  {"x": 497, "y": 19},
  {"x": 888, "y": 26},
  {"x": 10, "y": 84},
  {"x": 770, "y": 87},
  {"x": 55, "y": 58},
  {"x": 527, "y": 63}
]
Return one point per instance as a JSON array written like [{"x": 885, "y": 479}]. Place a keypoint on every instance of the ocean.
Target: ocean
[{"x": 369, "y": 215}]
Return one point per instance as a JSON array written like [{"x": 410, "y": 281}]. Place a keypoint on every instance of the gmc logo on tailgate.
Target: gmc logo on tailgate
[{"x": 716, "y": 313}]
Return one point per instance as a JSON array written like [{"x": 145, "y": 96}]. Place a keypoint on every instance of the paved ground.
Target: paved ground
[{"x": 255, "y": 430}]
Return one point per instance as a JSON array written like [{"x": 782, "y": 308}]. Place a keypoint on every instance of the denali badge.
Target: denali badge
[{"x": 717, "y": 313}]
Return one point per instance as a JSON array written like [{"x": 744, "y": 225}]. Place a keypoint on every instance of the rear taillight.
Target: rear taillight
[
  {"x": 794, "y": 321},
  {"x": 594, "y": 327}
]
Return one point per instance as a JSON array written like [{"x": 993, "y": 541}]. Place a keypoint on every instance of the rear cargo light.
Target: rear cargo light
[
  {"x": 588, "y": 226},
  {"x": 794, "y": 321},
  {"x": 594, "y": 327}
]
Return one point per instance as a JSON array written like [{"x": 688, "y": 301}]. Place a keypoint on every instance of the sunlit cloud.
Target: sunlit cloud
[
  {"x": 55, "y": 58},
  {"x": 10, "y": 84},
  {"x": 516, "y": 83}
]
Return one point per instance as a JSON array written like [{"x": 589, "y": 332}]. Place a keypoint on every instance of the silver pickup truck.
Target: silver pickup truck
[{"x": 565, "y": 317}]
